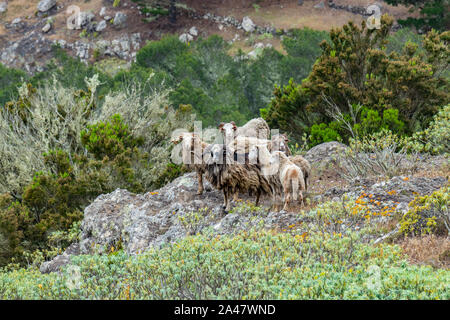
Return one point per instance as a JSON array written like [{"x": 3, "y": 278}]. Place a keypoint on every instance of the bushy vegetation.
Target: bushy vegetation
[
  {"x": 428, "y": 214},
  {"x": 433, "y": 14},
  {"x": 356, "y": 88},
  {"x": 61, "y": 147},
  {"x": 381, "y": 154},
  {"x": 220, "y": 86},
  {"x": 435, "y": 138},
  {"x": 250, "y": 265}
]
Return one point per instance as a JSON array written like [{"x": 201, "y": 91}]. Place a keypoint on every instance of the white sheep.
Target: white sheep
[
  {"x": 283, "y": 175},
  {"x": 192, "y": 149},
  {"x": 257, "y": 128},
  {"x": 291, "y": 177}
]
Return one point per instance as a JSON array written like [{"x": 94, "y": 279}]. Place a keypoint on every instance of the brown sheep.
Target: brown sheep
[
  {"x": 304, "y": 165},
  {"x": 279, "y": 143},
  {"x": 231, "y": 177}
]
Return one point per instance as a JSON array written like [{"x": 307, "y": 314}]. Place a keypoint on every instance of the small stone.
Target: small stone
[
  {"x": 320, "y": 5},
  {"x": 16, "y": 21},
  {"x": 120, "y": 19},
  {"x": 247, "y": 24},
  {"x": 102, "y": 11},
  {"x": 193, "y": 31},
  {"x": 46, "y": 28},
  {"x": 45, "y": 5},
  {"x": 185, "y": 37},
  {"x": 107, "y": 18},
  {"x": 100, "y": 26},
  {"x": 220, "y": 27}
]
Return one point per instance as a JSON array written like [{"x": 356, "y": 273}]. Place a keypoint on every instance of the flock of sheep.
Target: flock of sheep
[{"x": 247, "y": 161}]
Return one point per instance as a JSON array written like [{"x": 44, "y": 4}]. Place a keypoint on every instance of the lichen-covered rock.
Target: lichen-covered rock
[
  {"x": 45, "y": 5},
  {"x": 185, "y": 37},
  {"x": 137, "y": 222},
  {"x": 61, "y": 260},
  {"x": 248, "y": 25},
  {"x": 398, "y": 190},
  {"x": 100, "y": 26},
  {"x": 325, "y": 154},
  {"x": 120, "y": 19}
]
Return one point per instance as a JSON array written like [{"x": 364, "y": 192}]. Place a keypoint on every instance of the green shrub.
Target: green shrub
[
  {"x": 435, "y": 138},
  {"x": 10, "y": 79},
  {"x": 249, "y": 265},
  {"x": 161, "y": 54},
  {"x": 382, "y": 154},
  {"x": 353, "y": 70},
  {"x": 324, "y": 133},
  {"x": 428, "y": 214},
  {"x": 109, "y": 139}
]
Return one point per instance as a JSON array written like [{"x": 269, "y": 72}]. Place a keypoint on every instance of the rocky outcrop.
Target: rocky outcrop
[
  {"x": 229, "y": 21},
  {"x": 137, "y": 222},
  {"x": 185, "y": 37},
  {"x": 24, "y": 52},
  {"x": 248, "y": 25},
  {"x": 45, "y": 5},
  {"x": 120, "y": 19},
  {"x": 325, "y": 154}
]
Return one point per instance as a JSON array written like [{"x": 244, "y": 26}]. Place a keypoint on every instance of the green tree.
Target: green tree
[
  {"x": 433, "y": 13},
  {"x": 355, "y": 73}
]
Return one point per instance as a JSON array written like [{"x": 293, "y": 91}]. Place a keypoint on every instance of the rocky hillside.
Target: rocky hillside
[
  {"x": 28, "y": 29},
  {"x": 137, "y": 222}
]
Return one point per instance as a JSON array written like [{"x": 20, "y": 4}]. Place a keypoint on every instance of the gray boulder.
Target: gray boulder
[
  {"x": 325, "y": 154},
  {"x": 193, "y": 31},
  {"x": 100, "y": 26},
  {"x": 3, "y": 7},
  {"x": 46, "y": 28},
  {"x": 139, "y": 222},
  {"x": 320, "y": 5},
  {"x": 120, "y": 19},
  {"x": 185, "y": 37},
  {"x": 45, "y": 5},
  {"x": 247, "y": 24},
  {"x": 61, "y": 260}
]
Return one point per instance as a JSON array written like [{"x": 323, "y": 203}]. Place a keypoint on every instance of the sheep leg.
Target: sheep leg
[
  {"x": 200, "y": 182},
  {"x": 287, "y": 199},
  {"x": 225, "y": 198},
  {"x": 258, "y": 194},
  {"x": 300, "y": 199},
  {"x": 276, "y": 201}
]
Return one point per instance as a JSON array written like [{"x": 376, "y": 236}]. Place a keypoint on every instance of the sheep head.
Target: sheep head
[
  {"x": 281, "y": 141},
  {"x": 228, "y": 130},
  {"x": 217, "y": 154}
]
